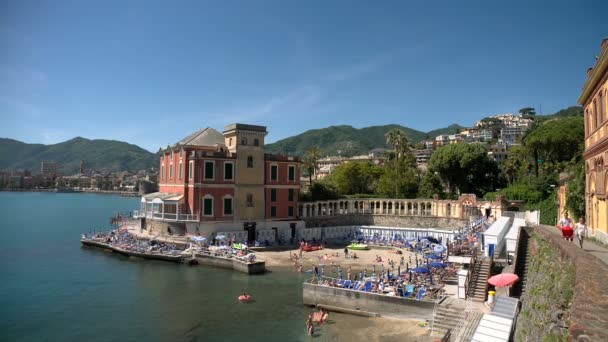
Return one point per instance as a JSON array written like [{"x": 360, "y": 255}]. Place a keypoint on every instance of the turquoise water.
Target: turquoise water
[{"x": 52, "y": 289}]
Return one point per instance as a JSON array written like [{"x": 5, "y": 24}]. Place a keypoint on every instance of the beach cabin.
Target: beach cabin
[
  {"x": 512, "y": 237},
  {"x": 494, "y": 237}
]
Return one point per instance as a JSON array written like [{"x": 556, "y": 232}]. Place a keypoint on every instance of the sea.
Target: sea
[{"x": 53, "y": 289}]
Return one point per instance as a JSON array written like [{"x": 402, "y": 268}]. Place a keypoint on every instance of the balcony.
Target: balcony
[{"x": 166, "y": 216}]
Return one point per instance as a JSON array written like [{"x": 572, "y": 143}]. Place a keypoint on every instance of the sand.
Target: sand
[{"x": 355, "y": 328}]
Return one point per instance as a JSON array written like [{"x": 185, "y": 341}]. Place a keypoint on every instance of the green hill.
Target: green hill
[
  {"x": 347, "y": 140},
  {"x": 101, "y": 155}
]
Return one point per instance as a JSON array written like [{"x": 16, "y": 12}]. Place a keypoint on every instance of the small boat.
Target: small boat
[
  {"x": 358, "y": 246},
  {"x": 244, "y": 298},
  {"x": 311, "y": 248}
]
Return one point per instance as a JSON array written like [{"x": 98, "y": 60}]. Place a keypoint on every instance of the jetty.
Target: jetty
[{"x": 145, "y": 255}]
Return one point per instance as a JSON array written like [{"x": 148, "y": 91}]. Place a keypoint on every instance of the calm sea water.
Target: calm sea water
[{"x": 52, "y": 289}]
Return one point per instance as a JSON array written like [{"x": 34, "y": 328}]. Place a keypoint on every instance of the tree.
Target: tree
[
  {"x": 398, "y": 140},
  {"x": 527, "y": 111},
  {"x": 323, "y": 191},
  {"x": 355, "y": 178},
  {"x": 400, "y": 179},
  {"x": 466, "y": 168},
  {"x": 310, "y": 162},
  {"x": 430, "y": 185},
  {"x": 555, "y": 141},
  {"x": 575, "y": 194},
  {"x": 518, "y": 163}
]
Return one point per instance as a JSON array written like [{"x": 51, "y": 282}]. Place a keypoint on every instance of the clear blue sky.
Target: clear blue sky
[{"x": 150, "y": 72}]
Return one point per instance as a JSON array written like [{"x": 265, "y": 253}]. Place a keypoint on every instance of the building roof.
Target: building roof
[
  {"x": 594, "y": 75},
  {"x": 245, "y": 127},
  {"x": 203, "y": 137}
]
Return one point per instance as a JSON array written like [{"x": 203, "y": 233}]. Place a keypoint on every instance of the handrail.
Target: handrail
[{"x": 472, "y": 272}]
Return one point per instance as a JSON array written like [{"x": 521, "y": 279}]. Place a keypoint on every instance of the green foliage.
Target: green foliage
[
  {"x": 348, "y": 140},
  {"x": 466, "y": 168},
  {"x": 451, "y": 129},
  {"x": 322, "y": 191},
  {"x": 527, "y": 111},
  {"x": 399, "y": 179},
  {"x": 355, "y": 178},
  {"x": 310, "y": 162},
  {"x": 555, "y": 141},
  {"x": 518, "y": 164},
  {"x": 397, "y": 139},
  {"x": 575, "y": 195},
  {"x": 564, "y": 113},
  {"x": 101, "y": 155},
  {"x": 430, "y": 185}
]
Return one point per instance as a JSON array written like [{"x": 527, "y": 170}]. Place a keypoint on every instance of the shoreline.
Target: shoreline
[{"x": 99, "y": 192}]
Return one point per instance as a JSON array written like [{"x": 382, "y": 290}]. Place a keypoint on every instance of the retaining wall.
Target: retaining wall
[
  {"x": 231, "y": 264},
  {"x": 390, "y": 306},
  {"x": 384, "y": 220}
]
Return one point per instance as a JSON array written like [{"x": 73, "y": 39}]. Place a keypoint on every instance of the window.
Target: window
[
  {"x": 273, "y": 211},
  {"x": 290, "y": 195},
  {"x": 208, "y": 206},
  {"x": 250, "y": 162},
  {"x": 244, "y": 141},
  {"x": 230, "y": 142},
  {"x": 162, "y": 171},
  {"x": 274, "y": 170},
  {"x": 209, "y": 170},
  {"x": 273, "y": 195},
  {"x": 595, "y": 116},
  {"x": 290, "y": 211},
  {"x": 227, "y": 206},
  {"x": 249, "y": 200},
  {"x": 171, "y": 171},
  {"x": 190, "y": 167},
  {"x": 179, "y": 175},
  {"x": 292, "y": 173},
  {"x": 256, "y": 142},
  {"x": 602, "y": 109},
  {"x": 228, "y": 171}
]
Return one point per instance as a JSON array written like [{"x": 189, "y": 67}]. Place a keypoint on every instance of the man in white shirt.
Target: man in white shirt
[{"x": 565, "y": 221}]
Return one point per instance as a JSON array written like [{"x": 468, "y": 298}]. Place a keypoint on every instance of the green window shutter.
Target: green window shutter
[
  {"x": 208, "y": 206},
  {"x": 273, "y": 172},
  {"x": 208, "y": 170},
  {"x": 189, "y": 170},
  {"x": 290, "y": 211},
  {"x": 292, "y": 173},
  {"x": 290, "y": 195},
  {"x": 273, "y": 211},
  {"x": 228, "y": 171},
  {"x": 227, "y": 206},
  {"x": 180, "y": 171},
  {"x": 273, "y": 195}
]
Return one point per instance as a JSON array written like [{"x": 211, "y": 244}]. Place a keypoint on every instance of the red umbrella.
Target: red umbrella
[{"x": 504, "y": 279}]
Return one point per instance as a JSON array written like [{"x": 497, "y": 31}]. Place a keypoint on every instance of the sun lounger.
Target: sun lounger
[
  {"x": 420, "y": 294},
  {"x": 368, "y": 286},
  {"x": 346, "y": 284},
  {"x": 356, "y": 285},
  {"x": 340, "y": 283}
]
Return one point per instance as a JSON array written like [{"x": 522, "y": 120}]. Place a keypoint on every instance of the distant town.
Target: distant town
[{"x": 48, "y": 178}]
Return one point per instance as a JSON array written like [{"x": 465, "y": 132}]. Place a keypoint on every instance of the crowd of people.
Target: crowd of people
[{"x": 126, "y": 241}]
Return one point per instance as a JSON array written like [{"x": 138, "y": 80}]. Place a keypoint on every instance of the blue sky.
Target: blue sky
[{"x": 150, "y": 72}]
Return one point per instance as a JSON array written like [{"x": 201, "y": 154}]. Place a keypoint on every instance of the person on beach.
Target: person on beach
[
  {"x": 581, "y": 230},
  {"x": 346, "y": 252}
]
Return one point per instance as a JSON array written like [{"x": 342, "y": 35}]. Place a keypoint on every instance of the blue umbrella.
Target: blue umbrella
[
  {"x": 420, "y": 270},
  {"x": 434, "y": 257},
  {"x": 439, "y": 249},
  {"x": 436, "y": 264}
]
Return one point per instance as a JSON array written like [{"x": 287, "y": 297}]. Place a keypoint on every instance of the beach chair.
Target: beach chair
[
  {"x": 346, "y": 284},
  {"x": 420, "y": 294},
  {"x": 367, "y": 287},
  {"x": 409, "y": 289},
  {"x": 356, "y": 285},
  {"x": 340, "y": 283}
]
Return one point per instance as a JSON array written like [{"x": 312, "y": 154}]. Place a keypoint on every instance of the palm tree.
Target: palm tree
[
  {"x": 310, "y": 162},
  {"x": 398, "y": 140}
]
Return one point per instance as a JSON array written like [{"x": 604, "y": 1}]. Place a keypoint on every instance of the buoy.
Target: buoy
[{"x": 244, "y": 298}]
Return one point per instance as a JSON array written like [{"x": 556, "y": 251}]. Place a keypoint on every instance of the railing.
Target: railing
[
  {"x": 167, "y": 216},
  {"x": 437, "y": 301},
  {"x": 472, "y": 271}
]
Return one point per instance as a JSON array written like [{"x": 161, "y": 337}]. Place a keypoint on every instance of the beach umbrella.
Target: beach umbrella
[
  {"x": 436, "y": 264},
  {"x": 439, "y": 249},
  {"x": 420, "y": 270},
  {"x": 220, "y": 237},
  {"x": 503, "y": 280}
]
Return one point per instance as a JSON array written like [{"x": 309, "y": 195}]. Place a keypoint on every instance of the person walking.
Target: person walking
[
  {"x": 581, "y": 230},
  {"x": 565, "y": 221},
  {"x": 346, "y": 252}
]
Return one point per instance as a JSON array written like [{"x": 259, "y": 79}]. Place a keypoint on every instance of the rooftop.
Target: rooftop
[{"x": 245, "y": 127}]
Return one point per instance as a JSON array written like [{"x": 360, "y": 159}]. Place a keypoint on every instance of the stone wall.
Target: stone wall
[
  {"x": 397, "y": 307},
  {"x": 565, "y": 286},
  {"x": 384, "y": 221}
]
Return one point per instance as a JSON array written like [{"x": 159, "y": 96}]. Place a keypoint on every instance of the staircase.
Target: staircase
[
  {"x": 479, "y": 283},
  {"x": 521, "y": 264},
  {"x": 447, "y": 316}
]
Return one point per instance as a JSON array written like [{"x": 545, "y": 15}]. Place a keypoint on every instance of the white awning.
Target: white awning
[{"x": 157, "y": 201}]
